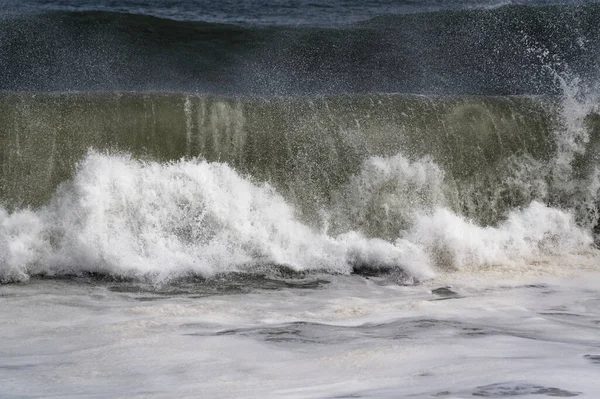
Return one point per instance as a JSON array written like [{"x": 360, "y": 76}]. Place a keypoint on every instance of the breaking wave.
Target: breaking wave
[
  {"x": 164, "y": 186},
  {"x": 128, "y": 218}
]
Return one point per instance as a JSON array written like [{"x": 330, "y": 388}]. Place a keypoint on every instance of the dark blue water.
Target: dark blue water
[
  {"x": 265, "y": 12},
  {"x": 298, "y": 47}
]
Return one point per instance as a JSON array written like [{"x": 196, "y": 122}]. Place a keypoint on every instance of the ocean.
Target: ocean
[{"x": 299, "y": 199}]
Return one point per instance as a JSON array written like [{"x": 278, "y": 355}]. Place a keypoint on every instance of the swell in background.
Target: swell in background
[{"x": 500, "y": 50}]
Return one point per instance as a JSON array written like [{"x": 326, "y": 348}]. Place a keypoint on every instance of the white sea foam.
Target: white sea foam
[
  {"x": 130, "y": 218},
  {"x": 396, "y": 197},
  {"x": 527, "y": 235},
  {"x": 125, "y": 217},
  {"x": 384, "y": 197}
]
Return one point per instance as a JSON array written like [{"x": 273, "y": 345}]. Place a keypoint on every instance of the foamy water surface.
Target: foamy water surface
[{"x": 459, "y": 336}]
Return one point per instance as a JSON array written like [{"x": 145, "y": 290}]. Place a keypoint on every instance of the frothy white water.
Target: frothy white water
[
  {"x": 395, "y": 197},
  {"x": 129, "y": 218},
  {"x": 353, "y": 339},
  {"x": 526, "y": 236},
  {"x": 384, "y": 197}
]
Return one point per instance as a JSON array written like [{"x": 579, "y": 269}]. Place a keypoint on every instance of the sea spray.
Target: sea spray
[
  {"x": 534, "y": 233},
  {"x": 127, "y": 218},
  {"x": 182, "y": 184},
  {"x": 138, "y": 219},
  {"x": 309, "y": 149}
]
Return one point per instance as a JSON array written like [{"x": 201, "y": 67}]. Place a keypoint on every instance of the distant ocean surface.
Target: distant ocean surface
[
  {"x": 260, "y": 12},
  {"x": 292, "y": 48},
  {"x": 303, "y": 199}
]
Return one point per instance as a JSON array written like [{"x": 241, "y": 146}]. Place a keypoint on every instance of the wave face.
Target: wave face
[
  {"x": 496, "y": 51},
  {"x": 311, "y": 148},
  {"x": 181, "y": 184}
]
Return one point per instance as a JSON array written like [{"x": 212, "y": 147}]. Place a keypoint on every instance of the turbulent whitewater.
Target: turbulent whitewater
[{"x": 164, "y": 186}]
